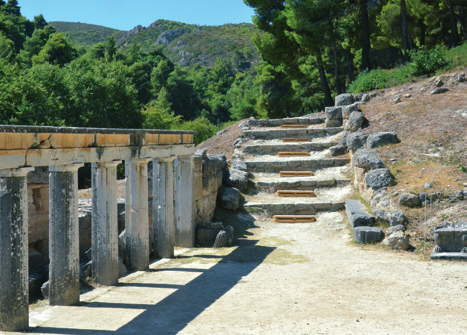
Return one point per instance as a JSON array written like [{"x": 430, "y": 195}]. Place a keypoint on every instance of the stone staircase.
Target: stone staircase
[{"x": 276, "y": 150}]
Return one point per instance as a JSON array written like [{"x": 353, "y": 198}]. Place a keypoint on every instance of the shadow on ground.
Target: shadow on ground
[{"x": 172, "y": 314}]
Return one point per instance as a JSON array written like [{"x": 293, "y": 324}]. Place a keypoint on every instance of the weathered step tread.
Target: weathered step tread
[
  {"x": 292, "y": 154},
  {"x": 296, "y": 140},
  {"x": 294, "y": 126},
  {"x": 296, "y": 174},
  {"x": 295, "y": 193},
  {"x": 294, "y": 218}
]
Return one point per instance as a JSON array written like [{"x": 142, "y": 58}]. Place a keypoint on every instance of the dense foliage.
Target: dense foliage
[{"x": 177, "y": 76}]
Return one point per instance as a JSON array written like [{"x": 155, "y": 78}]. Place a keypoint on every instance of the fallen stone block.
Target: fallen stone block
[
  {"x": 394, "y": 229},
  {"x": 224, "y": 238},
  {"x": 397, "y": 241},
  {"x": 367, "y": 234},
  {"x": 238, "y": 179},
  {"x": 356, "y": 120},
  {"x": 393, "y": 218},
  {"x": 380, "y": 139},
  {"x": 338, "y": 150},
  {"x": 451, "y": 242},
  {"x": 357, "y": 214},
  {"x": 333, "y": 113},
  {"x": 206, "y": 236}
]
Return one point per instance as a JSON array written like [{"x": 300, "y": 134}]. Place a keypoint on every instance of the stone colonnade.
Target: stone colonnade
[{"x": 64, "y": 151}]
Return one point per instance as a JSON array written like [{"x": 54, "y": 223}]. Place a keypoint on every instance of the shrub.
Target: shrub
[
  {"x": 427, "y": 62},
  {"x": 204, "y": 129},
  {"x": 379, "y": 79}
]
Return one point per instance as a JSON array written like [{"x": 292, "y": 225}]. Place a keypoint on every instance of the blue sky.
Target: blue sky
[{"x": 126, "y": 14}]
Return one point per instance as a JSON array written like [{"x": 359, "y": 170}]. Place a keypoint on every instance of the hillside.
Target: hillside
[
  {"x": 83, "y": 34},
  {"x": 184, "y": 44}
]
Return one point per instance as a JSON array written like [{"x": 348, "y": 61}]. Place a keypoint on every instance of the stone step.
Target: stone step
[
  {"x": 270, "y": 185},
  {"x": 269, "y": 134},
  {"x": 297, "y": 208},
  {"x": 294, "y": 126},
  {"x": 293, "y": 164},
  {"x": 280, "y": 122},
  {"x": 294, "y": 218},
  {"x": 296, "y": 140},
  {"x": 295, "y": 193},
  {"x": 275, "y": 148},
  {"x": 293, "y": 154}
]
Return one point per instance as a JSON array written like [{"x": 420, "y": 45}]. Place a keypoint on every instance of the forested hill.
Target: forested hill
[{"x": 183, "y": 44}]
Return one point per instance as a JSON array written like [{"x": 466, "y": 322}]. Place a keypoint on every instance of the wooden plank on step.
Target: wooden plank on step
[
  {"x": 296, "y": 140},
  {"x": 294, "y": 218},
  {"x": 295, "y": 193},
  {"x": 296, "y": 173},
  {"x": 293, "y": 126}
]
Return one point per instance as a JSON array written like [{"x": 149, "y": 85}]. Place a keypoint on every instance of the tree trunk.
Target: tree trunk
[
  {"x": 405, "y": 32},
  {"x": 452, "y": 16},
  {"x": 366, "y": 45},
  {"x": 328, "y": 102},
  {"x": 462, "y": 22},
  {"x": 336, "y": 70},
  {"x": 349, "y": 59},
  {"x": 422, "y": 34}
]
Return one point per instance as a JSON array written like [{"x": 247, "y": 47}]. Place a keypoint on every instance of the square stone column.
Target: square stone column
[
  {"x": 104, "y": 223},
  {"x": 14, "y": 286},
  {"x": 64, "y": 235},
  {"x": 185, "y": 229},
  {"x": 163, "y": 208},
  {"x": 136, "y": 214}
]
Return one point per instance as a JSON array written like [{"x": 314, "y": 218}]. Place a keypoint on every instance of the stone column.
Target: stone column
[
  {"x": 64, "y": 235},
  {"x": 163, "y": 208},
  {"x": 14, "y": 287},
  {"x": 104, "y": 223},
  {"x": 184, "y": 202},
  {"x": 136, "y": 214}
]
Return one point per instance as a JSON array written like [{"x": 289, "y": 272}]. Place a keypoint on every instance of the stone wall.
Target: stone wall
[{"x": 208, "y": 175}]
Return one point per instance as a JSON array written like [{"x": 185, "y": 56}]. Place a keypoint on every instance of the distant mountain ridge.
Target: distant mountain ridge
[{"x": 184, "y": 44}]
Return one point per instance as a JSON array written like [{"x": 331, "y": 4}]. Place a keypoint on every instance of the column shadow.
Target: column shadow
[{"x": 172, "y": 314}]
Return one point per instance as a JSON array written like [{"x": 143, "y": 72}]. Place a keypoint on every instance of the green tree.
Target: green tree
[
  {"x": 242, "y": 97},
  {"x": 58, "y": 50},
  {"x": 158, "y": 113}
]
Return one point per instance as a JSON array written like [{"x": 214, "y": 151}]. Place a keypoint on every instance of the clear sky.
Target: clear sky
[{"x": 126, "y": 14}]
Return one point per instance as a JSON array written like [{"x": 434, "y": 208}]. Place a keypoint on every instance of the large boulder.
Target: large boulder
[
  {"x": 356, "y": 140},
  {"x": 364, "y": 234},
  {"x": 409, "y": 200},
  {"x": 398, "y": 241},
  {"x": 380, "y": 139},
  {"x": 379, "y": 178},
  {"x": 356, "y": 120},
  {"x": 357, "y": 214},
  {"x": 367, "y": 160},
  {"x": 344, "y": 99},
  {"x": 229, "y": 198},
  {"x": 238, "y": 179},
  {"x": 224, "y": 238}
]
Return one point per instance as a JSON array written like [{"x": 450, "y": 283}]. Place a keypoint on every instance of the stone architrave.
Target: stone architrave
[
  {"x": 185, "y": 230},
  {"x": 163, "y": 208},
  {"x": 64, "y": 235},
  {"x": 104, "y": 223},
  {"x": 136, "y": 214},
  {"x": 14, "y": 289}
]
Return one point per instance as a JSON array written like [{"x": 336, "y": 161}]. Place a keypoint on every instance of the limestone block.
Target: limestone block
[
  {"x": 338, "y": 150},
  {"x": 356, "y": 140},
  {"x": 333, "y": 113},
  {"x": 224, "y": 238},
  {"x": 367, "y": 234},
  {"x": 451, "y": 238},
  {"x": 38, "y": 212},
  {"x": 333, "y": 123},
  {"x": 198, "y": 177},
  {"x": 356, "y": 120},
  {"x": 357, "y": 214},
  {"x": 204, "y": 208},
  {"x": 229, "y": 197},
  {"x": 392, "y": 217},
  {"x": 398, "y": 241},
  {"x": 348, "y": 110},
  {"x": 206, "y": 236},
  {"x": 237, "y": 179}
]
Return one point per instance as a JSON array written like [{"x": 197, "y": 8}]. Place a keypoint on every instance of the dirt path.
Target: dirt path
[{"x": 282, "y": 279}]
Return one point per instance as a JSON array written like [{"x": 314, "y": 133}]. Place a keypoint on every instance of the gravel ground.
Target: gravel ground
[{"x": 281, "y": 279}]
